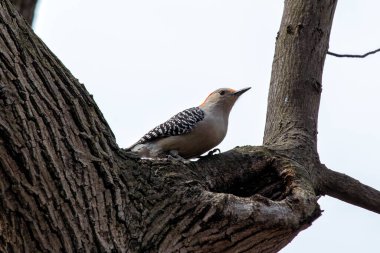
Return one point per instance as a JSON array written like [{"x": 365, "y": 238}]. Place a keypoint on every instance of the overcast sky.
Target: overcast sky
[{"x": 146, "y": 60}]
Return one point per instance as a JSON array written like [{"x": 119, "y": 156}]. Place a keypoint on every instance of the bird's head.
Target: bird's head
[{"x": 223, "y": 98}]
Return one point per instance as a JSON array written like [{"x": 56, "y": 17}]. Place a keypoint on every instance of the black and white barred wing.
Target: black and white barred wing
[{"x": 180, "y": 123}]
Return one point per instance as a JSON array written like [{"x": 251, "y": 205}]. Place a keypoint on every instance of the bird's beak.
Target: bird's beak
[{"x": 239, "y": 92}]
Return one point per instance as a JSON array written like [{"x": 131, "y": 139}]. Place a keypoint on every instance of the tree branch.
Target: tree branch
[
  {"x": 296, "y": 81},
  {"x": 348, "y": 189},
  {"x": 354, "y": 55}
]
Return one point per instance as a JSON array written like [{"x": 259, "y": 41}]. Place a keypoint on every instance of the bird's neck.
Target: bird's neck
[{"x": 217, "y": 110}]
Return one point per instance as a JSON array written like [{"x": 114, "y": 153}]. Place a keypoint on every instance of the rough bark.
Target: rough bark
[
  {"x": 296, "y": 83},
  {"x": 66, "y": 185},
  {"x": 26, "y": 9}
]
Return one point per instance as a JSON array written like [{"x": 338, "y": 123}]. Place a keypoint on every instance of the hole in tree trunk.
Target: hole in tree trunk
[{"x": 266, "y": 183}]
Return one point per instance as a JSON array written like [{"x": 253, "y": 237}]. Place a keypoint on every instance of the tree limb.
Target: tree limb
[
  {"x": 348, "y": 189},
  {"x": 354, "y": 55},
  {"x": 296, "y": 81}
]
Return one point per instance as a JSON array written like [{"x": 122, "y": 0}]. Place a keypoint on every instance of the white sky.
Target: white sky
[{"x": 146, "y": 60}]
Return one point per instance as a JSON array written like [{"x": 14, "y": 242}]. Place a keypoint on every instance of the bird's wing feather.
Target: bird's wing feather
[{"x": 180, "y": 123}]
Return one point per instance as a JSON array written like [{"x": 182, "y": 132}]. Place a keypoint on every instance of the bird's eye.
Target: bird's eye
[{"x": 222, "y": 92}]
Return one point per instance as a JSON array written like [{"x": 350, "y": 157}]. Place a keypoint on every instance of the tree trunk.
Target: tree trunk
[
  {"x": 26, "y": 8},
  {"x": 67, "y": 186}
]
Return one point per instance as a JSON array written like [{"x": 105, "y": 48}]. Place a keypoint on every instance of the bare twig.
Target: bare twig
[{"x": 354, "y": 55}]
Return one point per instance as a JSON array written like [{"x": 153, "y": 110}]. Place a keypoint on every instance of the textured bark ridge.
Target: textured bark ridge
[{"x": 67, "y": 187}]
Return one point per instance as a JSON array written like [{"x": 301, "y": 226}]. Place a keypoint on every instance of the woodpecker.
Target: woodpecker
[{"x": 193, "y": 131}]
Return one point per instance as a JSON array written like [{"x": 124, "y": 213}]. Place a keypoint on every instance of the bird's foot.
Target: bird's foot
[
  {"x": 173, "y": 155},
  {"x": 210, "y": 153}
]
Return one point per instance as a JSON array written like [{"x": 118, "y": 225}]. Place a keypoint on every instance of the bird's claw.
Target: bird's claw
[{"x": 210, "y": 153}]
